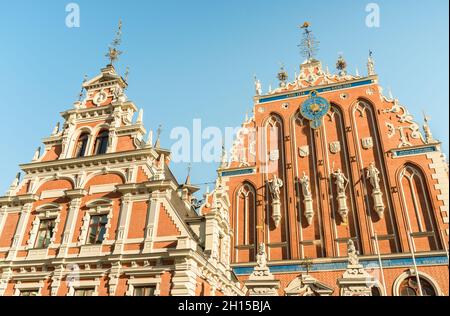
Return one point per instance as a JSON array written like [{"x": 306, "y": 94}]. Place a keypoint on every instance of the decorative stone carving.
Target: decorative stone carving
[
  {"x": 258, "y": 87},
  {"x": 335, "y": 147},
  {"x": 303, "y": 151},
  {"x": 307, "y": 198},
  {"x": 341, "y": 186},
  {"x": 377, "y": 195},
  {"x": 261, "y": 282},
  {"x": 306, "y": 285},
  {"x": 274, "y": 186},
  {"x": 37, "y": 154},
  {"x": 355, "y": 280},
  {"x": 367, "y": 143},
  {"x": 274, "y": 155}
]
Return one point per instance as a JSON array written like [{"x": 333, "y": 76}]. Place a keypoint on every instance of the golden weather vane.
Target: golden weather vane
[{"x": 114, "y": 51}]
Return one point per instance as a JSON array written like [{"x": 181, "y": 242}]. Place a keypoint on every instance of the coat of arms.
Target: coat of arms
[
  {"x": 335, "y": 147},
  {"x": 303, "y": 151},
  {"x": 367, "y": 142}
]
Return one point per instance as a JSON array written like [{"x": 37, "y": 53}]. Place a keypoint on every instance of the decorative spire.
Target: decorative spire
[
  {"x": 357, "y": 72},
  {"x": 341, "y": 65},
  {"x": 370, "y": 64},
  {"x": 114, "y": 51},
  {"x": 223, "y": 160},
  {"x": 309, "y": 45},
  {"x": 127, "y": 72},
  {"x": 158, "y": 136},
  {"x": 426, "y": 128},
  {"x": 140, "y": 117},
  {"x": 150, "y": 138},
  {"x": 282, "y": 76},
  {"x": 188, "y": 177}
]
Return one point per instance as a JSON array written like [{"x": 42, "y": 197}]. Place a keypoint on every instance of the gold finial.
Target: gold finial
[
  {"x": 309, "y": 45},
  {"x": 114, "y": 52}
]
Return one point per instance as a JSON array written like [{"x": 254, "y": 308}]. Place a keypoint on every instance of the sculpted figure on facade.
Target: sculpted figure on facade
[
  {"x": 307, "y": 198},
  {"x": 274, "y": 186},
  {"x": 373, "y": 174},
  {"x": 341, "y": 186}
]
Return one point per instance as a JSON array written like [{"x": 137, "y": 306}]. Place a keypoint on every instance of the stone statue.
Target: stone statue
[
  {"x": 56, "y": 129},
  {"x": 37, "y": 154},
  {"x": 352, "y": 253},
  {"x": 258, "y": 87},
  {"x": 261, "y": 257},
  {"x": 275, "y": 184},
  {"x": 341, "y": 181},
  {"x": 341, "y": 184},
  {"x": 305, "y": 185},
  {"x": 370, "y": 65},
  {"x": 307, "y": 199},
  {"x": 373, "y": 176}
]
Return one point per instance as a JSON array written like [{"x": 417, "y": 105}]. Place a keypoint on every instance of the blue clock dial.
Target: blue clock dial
[{"x": 314, "y": 109}]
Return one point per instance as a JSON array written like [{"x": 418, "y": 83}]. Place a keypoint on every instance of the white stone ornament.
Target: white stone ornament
[
  {"x": 377, "y": 195},
  {"x": 274, "y": 186},
  {"x": 367, "y": 143},
  {"x": 341, "y": 186},
  {"x": 99, "y": 98},
  {"x": 274, "y": 155},
  {"x": 303, "y": 151},
  {"x": 335, "y": 147},
  {"x": 307, "y": 199}
]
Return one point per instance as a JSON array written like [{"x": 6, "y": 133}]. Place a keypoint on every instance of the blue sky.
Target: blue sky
[{"x": 196, "y": 59}]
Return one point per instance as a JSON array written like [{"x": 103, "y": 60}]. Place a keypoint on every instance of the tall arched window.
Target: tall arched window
[
  {"x": 101, "y": 143},
  {"x": 81, "y": 148},
  {"x": 245, "y": 224},
  {"x": 417, "y": 209}
]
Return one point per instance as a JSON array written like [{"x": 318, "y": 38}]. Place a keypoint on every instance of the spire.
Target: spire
[
  {"x": 140, "y": 117},
  {"x": 223, "y": 159},
  {"x": 282, "y": 76},
  {"x": 188, "y": 177},
  {"x": 309, "y": 45},
  {"x": 370, "y": 64},
  {"x": 150, "y": 138},
  {"x": 127, "y": 72},
  {"x": 114, "y": 51},
  {"x": 81, "y": 95},
  {"x": 14, "y": 184},
  {"x": 158, "y": 141}
]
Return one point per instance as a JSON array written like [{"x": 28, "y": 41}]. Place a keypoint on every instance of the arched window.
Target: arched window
[
  {"x": 410, "y": 287},
  {"x": 417, "y": 208},
  {"x": 101, "y": 143},
  {"x": 245, "y": 225},
  {"x": 81, "y": 148}
]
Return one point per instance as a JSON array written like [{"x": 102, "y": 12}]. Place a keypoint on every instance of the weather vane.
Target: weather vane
[
  {"x": 114, "y": 52},
  {"x": 309, "y": 45}
]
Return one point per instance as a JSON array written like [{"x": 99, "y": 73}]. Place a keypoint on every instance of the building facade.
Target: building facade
[
  {"x": 330, "y": 188},
  {"x": 100, "y": 213},
  {"x": 329, "y": 169}
]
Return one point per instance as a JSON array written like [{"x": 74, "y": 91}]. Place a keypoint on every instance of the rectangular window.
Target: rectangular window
[
  {"x": 84, "y": 292},
  {"x": 45, "y": 233},
  {"x": 144, "y": 290},
  {"x": 97, "y": 229},
  {"x": 29, "y": 293}
]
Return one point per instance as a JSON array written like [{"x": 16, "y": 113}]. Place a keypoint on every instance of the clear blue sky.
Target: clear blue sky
[{"x": 196, "y": 59}]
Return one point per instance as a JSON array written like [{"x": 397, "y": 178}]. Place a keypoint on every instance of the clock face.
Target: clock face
[{"x": 314, "y": 109}]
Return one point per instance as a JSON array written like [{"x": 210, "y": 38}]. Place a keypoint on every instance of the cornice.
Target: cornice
[
  {"x": 19, "y": 199},
  {"x": 105, "y": 159}
]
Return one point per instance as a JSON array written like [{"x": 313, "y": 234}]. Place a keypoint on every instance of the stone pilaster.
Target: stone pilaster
[
  {"x": 20, "y": 231},
  {"x": 185, "y": 278},
  {"x": 124, "y": 219}
]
